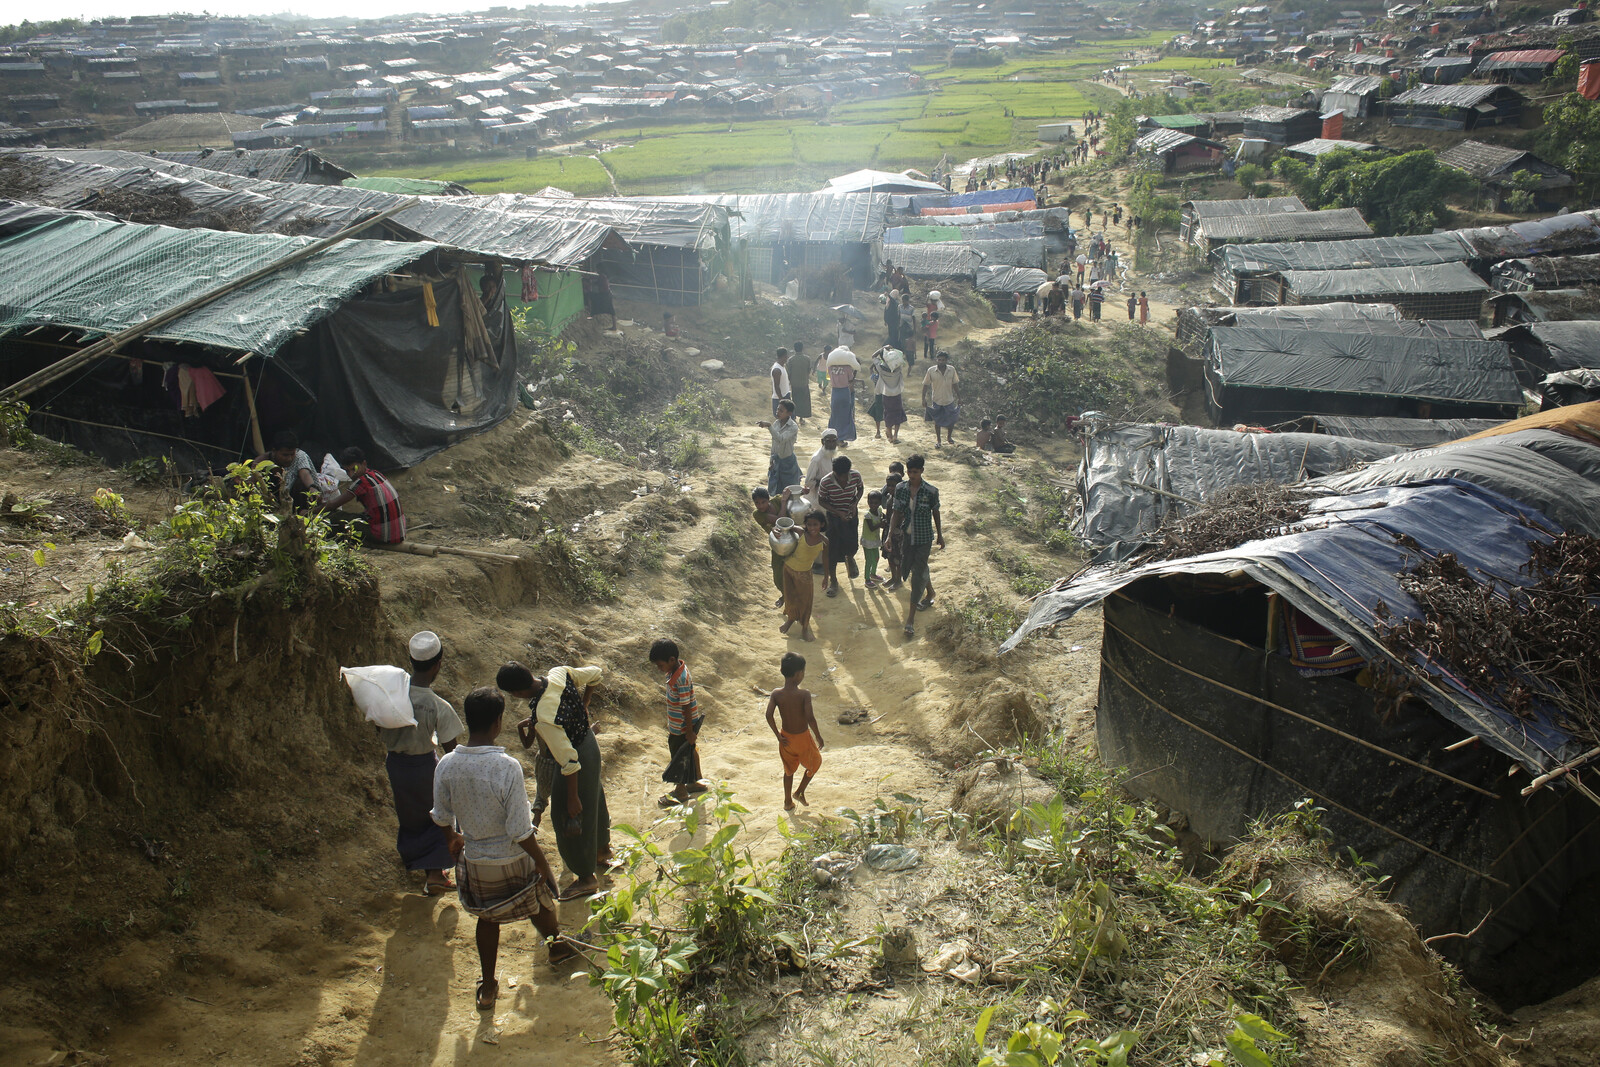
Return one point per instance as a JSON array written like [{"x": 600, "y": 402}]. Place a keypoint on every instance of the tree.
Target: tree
[
  {"x": 1248, "y": 176},
  {"x": 1398, "y": 195},
  {"x": 1571, "y": 138}
]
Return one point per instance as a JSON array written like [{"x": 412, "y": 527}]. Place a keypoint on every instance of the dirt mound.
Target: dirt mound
[
  {"x": 1001, "y": 713},
  {"x": 997, "y": 789},
  {"x": 1562, "y": 1032}
]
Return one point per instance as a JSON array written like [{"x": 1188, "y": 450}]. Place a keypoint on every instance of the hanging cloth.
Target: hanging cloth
[
  {"x": 530, "y": 285},
  {"x": 476, "y": 344}
]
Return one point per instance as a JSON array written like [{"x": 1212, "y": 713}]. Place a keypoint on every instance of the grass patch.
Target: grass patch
[{"x": 582, "y": 175}]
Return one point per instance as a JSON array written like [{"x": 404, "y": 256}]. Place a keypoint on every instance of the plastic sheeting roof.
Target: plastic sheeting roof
[
  {"x": 1567, "y": 345},
  {"x": 1286, "y": 226},
  {"x": 664, "y": 223},
  {"x": 1004, "y": 279},
  {"x": 271, "y": 164},
  {"x": 879, "y": 181},
  {"x": 104, "y": 276},
  {"x": 1262, "y": 205},
  {"x": 935, "y": 259},
  {"x": 1455, "y": 370},
  {"x": 766, "y": 218},
  {"x": 1410, "y": 433},
  {"x": 1558, "y": 234},
  {"x": 1381, "y": 281},
  {"x": 1420, "y": 250},
  {"x": 1552, "y": 272},
  {"x": 1346, "y": 557},
  {"x": 1134, "y": 475}
]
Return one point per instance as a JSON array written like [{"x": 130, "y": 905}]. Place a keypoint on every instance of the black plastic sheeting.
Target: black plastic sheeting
[
  {"x": 1556, "y": 346},
  {"x": 378, "y": 376},
  {"x": 1359, "y": 254},
  {"x": 1410, "y": 433},
  {"x": 1135, "y": 475},
  {"x": 1003, "y": 279},
  {"x": 1350, "y": 284},
  {"x": 1457, "y": 370},
  {"x": 1554, "y": 473},
  {"x": 1154, "y": 719}
]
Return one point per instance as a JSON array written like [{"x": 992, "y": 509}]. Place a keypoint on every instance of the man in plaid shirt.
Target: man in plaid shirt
[
  {"x": 916, "y": 514},
  {"x": 386, "y": 523}
]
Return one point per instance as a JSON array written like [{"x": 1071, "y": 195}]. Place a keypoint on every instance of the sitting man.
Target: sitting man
[{"x": 385, "y": 523}]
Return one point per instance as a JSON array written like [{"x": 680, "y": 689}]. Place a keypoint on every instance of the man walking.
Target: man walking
[
  {"x": 840, "y": 496},
  {"x": 783, "y": 470},
  {"x": 411, "y": 763},
  {"x": 781, "y": 389},
  {"x": 939, "y": 398},
  {"x": 916, "y": 516}
]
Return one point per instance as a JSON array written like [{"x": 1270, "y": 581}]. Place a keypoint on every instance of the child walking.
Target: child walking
[
  {"x": 872, "y": 535},
  {"x": 795, "y": 744},
  {"x": 479, "y": 797},
  {"x": 799, "y": 592},
  {"x": 683, "y": 724}
]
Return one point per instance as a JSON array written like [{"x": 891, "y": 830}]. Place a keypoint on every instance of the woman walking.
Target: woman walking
[{"x": 842, "y": 368}]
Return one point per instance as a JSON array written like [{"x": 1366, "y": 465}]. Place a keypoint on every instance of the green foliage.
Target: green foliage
[
  {"x": 1244, "y": 1043},
  {"x": 1054, "y": 368},
  {"x": 1524, "y": 188},
  {"x": 1400, "y": 195},
  {"x": 14, "y": 431},
  {"x": 1155, "y": 210},
  {"x": 1121, "y": 128},
  {"x": 1571, "y": 139},
  {"x": 1039, "y": 1045},
  {"x": 579, "y": 571},
  {"x": 983, "y": 615},
  {"x": 1249, "y": 176}
]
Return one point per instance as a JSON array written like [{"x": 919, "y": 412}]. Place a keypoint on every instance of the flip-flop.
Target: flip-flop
[
  {"x": 436, "y": 889},
  {"x": 668, "y": 801},
  {"x": 569, "y": 894},
  {"x": 910, "y": 631},
  {"x": 479, "y": 996}
]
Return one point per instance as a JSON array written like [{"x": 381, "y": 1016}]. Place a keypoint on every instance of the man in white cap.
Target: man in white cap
[
  {"x": 821, "y": 464},
  {"x": 422, "y": 843}
]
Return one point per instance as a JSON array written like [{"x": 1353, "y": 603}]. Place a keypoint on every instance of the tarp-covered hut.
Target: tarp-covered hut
[
  {"x": 1456, "y": 107},
  {"x": 1444, "y": 291},
  {"x": 1195, "y": 213},
  {"x": 339, "y": 347},
  {"x": 1263, "y": 376},
  {"x": 1235, "y": 684}
]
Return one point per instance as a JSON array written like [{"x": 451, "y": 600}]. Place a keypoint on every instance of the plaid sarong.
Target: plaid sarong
[{"x": 503, "y": 892}]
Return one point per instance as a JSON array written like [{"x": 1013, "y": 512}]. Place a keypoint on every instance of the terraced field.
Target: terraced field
[{"x": 959, "y": 112}]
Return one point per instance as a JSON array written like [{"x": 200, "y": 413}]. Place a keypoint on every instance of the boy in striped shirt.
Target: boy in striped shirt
[
  {"x": 386, "y": 522},
  {"x": 683, "y": 723}
]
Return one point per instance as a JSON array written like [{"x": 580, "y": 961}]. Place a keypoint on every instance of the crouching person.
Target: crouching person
[{"x": 501, "y": 871}]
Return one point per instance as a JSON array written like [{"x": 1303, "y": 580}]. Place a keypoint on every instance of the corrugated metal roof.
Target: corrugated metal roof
[
  {"x": 1359, "y": 84},
  {"x": 1478, "y": 159},
  {"x": 666, "y": 223},
  {"x": 1288, "y": 226},
  {"x": 104, "y": 276},
  {"x": 1160, "y": 142},
  {"x": 1319, "y": 146}
]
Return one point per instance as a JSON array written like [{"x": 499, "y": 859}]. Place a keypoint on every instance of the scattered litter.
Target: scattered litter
[
  {"x": 685, "y": 488},
  {"x": 711, "y": 364},
  {"x": 883, "y": 857},
  {"x": 851, "y": 716},
  {"x": 449, "y": 488},
  {"x": 955, "y": 959},
  {"x": 131, "y": 541},
  {"x": 692, "y": 351},
  {"x": 1075, "y": 648}
]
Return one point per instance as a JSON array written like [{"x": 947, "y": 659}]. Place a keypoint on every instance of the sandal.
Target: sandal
[
  {"x": 438, "y": 889},
  {"x": 668, "y": 801},
  {"x": 494, "y": 994},
  {"x": 833, "y": 590},
  {"x": 910, "y": 631}
]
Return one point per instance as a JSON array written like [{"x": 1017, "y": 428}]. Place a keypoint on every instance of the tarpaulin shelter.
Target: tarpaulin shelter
[
  {"x": 1408, "y": 433},
  {"x": 1006, "y": 279},
  {"x": 1231, "y": 688},
  {"x": 1176, "y": 152},
  {"x": 1134, "y": 476},
  {"x": 1546, "y": 272},
  {"x": 1443, "y": 291},
  {"x": 879, "y": 181},
  {"x": 674, "y": 249},
  {"x": 778, "y": 234},
  {"x": 1241, "y": 268},
  {"x": 1002, "y": 231},
  {"x": 335, "y": 347},
  {"x": 295, "y": 164},
  {"x": 1333, "y": 224},
  {"x": 1501, "y": 170},
  {"x": 977, "y": 202},
  {"x": 1262, "y": 375},
  {"x": 1196, "y": 212},
  {"x": 1547, "y": 354},
  {"x": 1576, "y": 232},
  {"x": 1546, "y": 305},
  {"x": 408, "y": 186},
  {"x": 950, "y": 259},
  {"x": 1524, "y": 66},
  {"x": 1456, "y": 107}
]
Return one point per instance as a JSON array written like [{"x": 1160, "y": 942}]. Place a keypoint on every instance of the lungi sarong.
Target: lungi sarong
[
  {"x": 944, "y": 415},
  {"x": 842, "y": 415},
  {"x": 503, "y": 892},
  {"x": 580, "y": 851},
  {"x": 421, "y": 842},
  {"x": 894, "y": 410},
  {"x": 782, "y": 473}
]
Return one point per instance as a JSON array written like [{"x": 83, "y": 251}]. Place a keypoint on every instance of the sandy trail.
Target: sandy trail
[{"x": 344, "y": 965}]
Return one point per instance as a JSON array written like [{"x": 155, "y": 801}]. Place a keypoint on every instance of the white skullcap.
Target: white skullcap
[
  {"x": 425, "y": 645},
  {"x": 829, "y": 432}
]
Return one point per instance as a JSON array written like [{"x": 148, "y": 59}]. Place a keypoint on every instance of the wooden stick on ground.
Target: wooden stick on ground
[{"x": 417, "y": 548}]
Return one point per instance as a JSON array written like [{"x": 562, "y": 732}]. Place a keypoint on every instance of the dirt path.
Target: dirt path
[{"x": 342, "y": 962}]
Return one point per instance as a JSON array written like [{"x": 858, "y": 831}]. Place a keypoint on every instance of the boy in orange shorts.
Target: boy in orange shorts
[{"x": 795, "y": 744}]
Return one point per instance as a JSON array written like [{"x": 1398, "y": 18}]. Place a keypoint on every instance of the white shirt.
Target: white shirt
[
  {"x": 480, "y": 790},
  {"x": 943, "y": 384},
  {"x": 820, "y": 467},
  {"x": 784, "y": 435},
  {"x": 544, "y": 716},
  {"x": 780, "y": 381}
]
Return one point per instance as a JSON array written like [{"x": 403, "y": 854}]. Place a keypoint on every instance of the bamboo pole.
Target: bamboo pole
[
  {"x": 108, "y": 345},
  {"x": 256, "y": 439},
  {"x": 418, "y": 548}
]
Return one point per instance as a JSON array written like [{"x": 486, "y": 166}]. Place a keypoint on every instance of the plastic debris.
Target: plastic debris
[{"x": 883, "y": 857}]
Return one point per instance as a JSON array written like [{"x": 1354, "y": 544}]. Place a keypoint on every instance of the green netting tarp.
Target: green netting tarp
[
  {"x": 104, "y": 276},
  {"x": 560, "y": 298}
]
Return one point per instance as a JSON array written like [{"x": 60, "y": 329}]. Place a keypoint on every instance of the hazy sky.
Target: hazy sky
[{"x": 15, "y": 10}]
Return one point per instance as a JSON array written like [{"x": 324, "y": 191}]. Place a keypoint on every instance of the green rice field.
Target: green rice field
[{"x": 960, "y": 112}]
